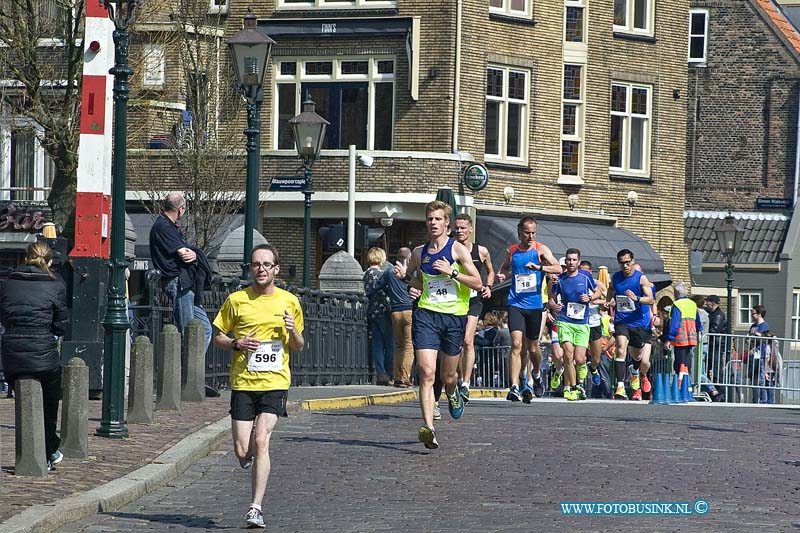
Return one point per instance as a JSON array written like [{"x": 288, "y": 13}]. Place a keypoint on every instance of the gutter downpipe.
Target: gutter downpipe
[
  {"x": 351, "y": 200},
  {"x": 797, "y": 154},
  {"x": 457, "y": 85}
]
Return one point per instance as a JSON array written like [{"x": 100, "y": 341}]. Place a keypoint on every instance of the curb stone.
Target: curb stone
[{"x": 163, "y": 469}]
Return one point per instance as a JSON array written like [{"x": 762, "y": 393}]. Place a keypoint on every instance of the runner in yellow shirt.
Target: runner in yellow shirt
[{"x": 266, "y": 324}]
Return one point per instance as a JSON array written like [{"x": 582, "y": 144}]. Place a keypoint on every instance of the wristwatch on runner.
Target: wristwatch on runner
[
  {"x": 235, "y": 345},
  {"x": 454, "y": 273}
]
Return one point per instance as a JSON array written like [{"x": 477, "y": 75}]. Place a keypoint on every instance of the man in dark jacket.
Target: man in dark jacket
[
  {"x": 183, "y": 267},
  {"x": 33, "y": 310},
  {"x": 717, "y": 325}
]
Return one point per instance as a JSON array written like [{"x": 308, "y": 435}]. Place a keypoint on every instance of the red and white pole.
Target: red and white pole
[
  {"x": 93, "y": 197},
  {"x": 90, "y": 254}
]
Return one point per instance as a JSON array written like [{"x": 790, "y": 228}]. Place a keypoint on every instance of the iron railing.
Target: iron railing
[{"x": 336, "y": 348}]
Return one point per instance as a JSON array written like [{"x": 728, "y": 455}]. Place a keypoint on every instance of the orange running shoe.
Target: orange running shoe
[
  {"x": 646, "y": 386},
  {"x": 637, "y": 395}
]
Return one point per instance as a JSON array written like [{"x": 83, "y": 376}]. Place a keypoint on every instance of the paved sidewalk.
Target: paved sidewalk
[{"x": 118, "y": 471}]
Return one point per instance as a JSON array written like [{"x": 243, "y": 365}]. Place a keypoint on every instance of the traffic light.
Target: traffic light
[
  {"x": 367, "y": 237},
  {"x": 333, "y": 237}
]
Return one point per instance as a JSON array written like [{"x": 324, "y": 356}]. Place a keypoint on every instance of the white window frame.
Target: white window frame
[
  {"x": 154, "y": 65},
  {"x": 795, "y": 331},
  {"x": 630, "y": 6},
  {"x": 504, "y": 100},
  {"x": 337, "y": 4},
  {"x": 698, "y": 61},
  {"x": 506, "y": 10},
  {"x": 753, "y": 298},
  {"x": 40, "y": 163},
  {"x": 218, "y": 7},
  {"x": 626, "y": 130},
  {"x": 372, "y": 77},
  {"x": 579, "y": 123},
  {"x": 582, "y": 5}
]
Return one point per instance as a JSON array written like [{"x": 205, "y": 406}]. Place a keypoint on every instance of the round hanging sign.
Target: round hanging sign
[{"x": 476, "y": 177}]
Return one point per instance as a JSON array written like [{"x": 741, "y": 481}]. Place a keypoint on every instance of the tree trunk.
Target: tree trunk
[{"x": 62, "y": 203}]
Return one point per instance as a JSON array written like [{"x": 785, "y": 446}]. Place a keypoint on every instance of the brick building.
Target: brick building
[
  {"x": 742, "y": 140},
  {"x": 586, "y": 106},
  {"x": 577, "y": 109}
]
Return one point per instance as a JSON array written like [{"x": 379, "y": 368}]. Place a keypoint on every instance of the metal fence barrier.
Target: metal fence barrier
[
  {"x": 731, "y": 369},
  {"x": 750, "y": 369}
]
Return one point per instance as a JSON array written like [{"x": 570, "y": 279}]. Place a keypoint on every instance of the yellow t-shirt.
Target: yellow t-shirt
[{"x": 247, "y": 312}]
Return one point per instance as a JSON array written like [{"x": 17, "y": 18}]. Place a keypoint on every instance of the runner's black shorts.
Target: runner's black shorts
[
  {"x": 475, "y": 306},
  {"x": 637, "y": 337},
  {"x": 595, "y": 333},
  {"x": 527, "y": 320},
  {"x": 246, "y": 405}
]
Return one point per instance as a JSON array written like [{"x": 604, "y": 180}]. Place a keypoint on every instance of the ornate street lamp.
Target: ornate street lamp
[
  {"x": 729, "y": 238},
  {"x": 250, "y": 51},
  {"x": 309, "y": 135},
  {"x": 115, "y": 322}
]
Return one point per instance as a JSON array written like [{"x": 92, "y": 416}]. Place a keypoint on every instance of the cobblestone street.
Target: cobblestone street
[{"x": 503, "y": 467}]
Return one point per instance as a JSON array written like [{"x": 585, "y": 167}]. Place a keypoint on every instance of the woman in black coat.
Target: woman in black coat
[{"x": 33, "y": 310}]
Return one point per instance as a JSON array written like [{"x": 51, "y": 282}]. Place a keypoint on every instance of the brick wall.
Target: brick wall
[{"x": 742, "y": 112}]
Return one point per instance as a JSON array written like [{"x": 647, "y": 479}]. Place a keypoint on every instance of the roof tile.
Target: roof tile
[
  {"x": 762, "y": 241},
  {"x": 783, "y": 25}
]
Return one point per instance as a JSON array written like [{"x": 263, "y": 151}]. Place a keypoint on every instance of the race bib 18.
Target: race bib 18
[{"x": 525, "y": 283}]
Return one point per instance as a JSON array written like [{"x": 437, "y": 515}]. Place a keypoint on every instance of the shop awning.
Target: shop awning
[{"x": 598, "y": 243}]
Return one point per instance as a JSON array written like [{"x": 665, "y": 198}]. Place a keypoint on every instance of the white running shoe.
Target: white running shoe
[{"x": 254, "y": 518}]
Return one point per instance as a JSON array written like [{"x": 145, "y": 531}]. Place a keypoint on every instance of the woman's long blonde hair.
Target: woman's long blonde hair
[{"x": 39, "y": 255}]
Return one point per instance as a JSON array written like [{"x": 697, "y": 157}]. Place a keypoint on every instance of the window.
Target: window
[
  {"x": 630, "y": 128},
  {"x": 218, "y": 6},
  {"x": 634, "y": 16},
  {"x": 795, "y": 331},
  {"x": 698, "y": 36},
  {"x": 511, "y": 8},
  {"x": 53, "y": 18},
  {"x": 26, "y": 171},
  {"x": 575, "y": 22},
  {"x": 333, "y": 4},
  {"x": 506, "y": 134},
  {"x": 155, "y": 66},
  {"x": 356, "y": 95},
  {"x": 572, "y": 120},
  {"x": 747, "y": 300}
]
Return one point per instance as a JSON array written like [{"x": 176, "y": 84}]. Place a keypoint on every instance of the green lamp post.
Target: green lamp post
[
  {"x": 115, "y": 322},
  {"x": 250, "y": 51},
  {"x": 729, "y": 237},
  {"x": 309, "y": 135}
]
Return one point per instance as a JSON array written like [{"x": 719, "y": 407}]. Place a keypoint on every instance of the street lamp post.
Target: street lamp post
[
  {"x": 309, "y": 134},
  {"x": 729, "y": 238},
  {"x": 115, "y": 322},
  {"x": 250, "y": 51}
]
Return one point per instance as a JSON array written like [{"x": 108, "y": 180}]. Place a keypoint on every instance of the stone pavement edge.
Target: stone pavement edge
[{"x": 90, "y": 486}]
